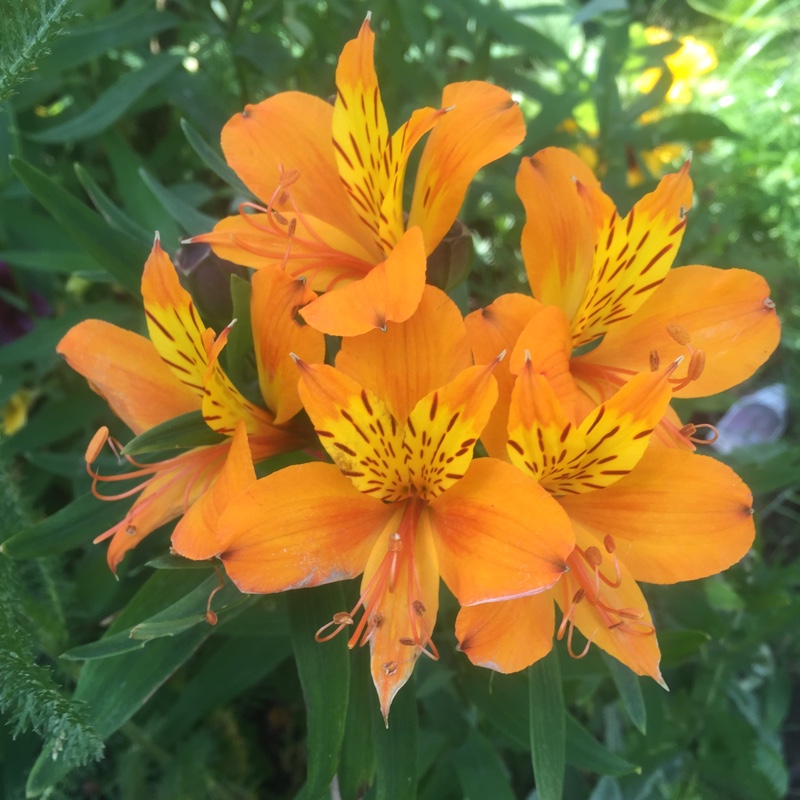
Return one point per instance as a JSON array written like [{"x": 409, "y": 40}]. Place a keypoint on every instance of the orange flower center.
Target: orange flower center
[
  {"x": 185, "y": 470},
  {"x": 586, "y": 582},
  {"x": 398, "y": 559}
]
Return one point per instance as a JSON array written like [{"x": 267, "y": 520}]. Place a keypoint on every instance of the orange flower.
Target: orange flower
[
  {"x": 332, "y": 178},
  {"x": 659, "y": 515},
  {"x": 611, "y": 277},
  {"x": 148, "y": 382},
  {"x": 404, "y": 501}
]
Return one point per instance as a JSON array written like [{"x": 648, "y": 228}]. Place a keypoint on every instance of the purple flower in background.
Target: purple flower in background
[{"x": 18, "y": 307}]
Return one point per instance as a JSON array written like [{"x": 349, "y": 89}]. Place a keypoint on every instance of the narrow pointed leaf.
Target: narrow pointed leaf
[
  {"x": 187, "y": 216},
  {"x": 324, "y": 670},
  {"x": 72, "y": 526},
  {"x": 630, "y": 692},
  {"x": 547, "y": 726},
  {"x": 396, "y": 747},
  {"x": 357, "y": 765},
  {"x": 179, "y": 433},
  {"x": 212, "y": 159},
  {"x": 111, "y": 212},
  {"x": 112, "y": 104},
  {"x": 122, "y": 256}
]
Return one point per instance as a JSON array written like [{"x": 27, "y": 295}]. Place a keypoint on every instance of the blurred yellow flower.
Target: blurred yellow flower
[
  {"x": 15, "y": 411},
  {"x": 694, "y": 58}
]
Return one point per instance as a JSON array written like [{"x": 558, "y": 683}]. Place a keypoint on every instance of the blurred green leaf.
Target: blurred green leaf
[
  {"x": 547, "y": 726},
  {"x": 630, "y": 692},
  {"x": 585, "y": 752},
  {"x": 119, "y": 254},
  {"x": 324, "y": 670},
  {"x": 188, "y": 217},
  {"x": 396, "y": 746},
  {"x": 50, "y": 260},
  {"x": 179, "y": 433},
  {"x": 74, "y": 525},
  {"x": 110, "y": 211},
  {"x": 89, "y": 40},
  {"x": 212, "y": 159},
  {"x": 691, "y": 126},
  {"x": 357, "y": 764},
  {"x": 677, "y": 646},
  {"x": 596, "y": 8},
  {"x": 115, "y": 688},
  {"x": 480, "y": 771},
  {"x": 112, "y": 104}
]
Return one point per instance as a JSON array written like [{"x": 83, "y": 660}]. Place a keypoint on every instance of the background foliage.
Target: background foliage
[{"x": 111, "y": 117}]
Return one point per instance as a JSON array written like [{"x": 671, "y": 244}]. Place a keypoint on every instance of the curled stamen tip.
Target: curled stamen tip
[{"x": 96, "y": 445}]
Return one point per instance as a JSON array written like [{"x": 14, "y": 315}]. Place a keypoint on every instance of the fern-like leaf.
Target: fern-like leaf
[{"x": 26, "y": 30}]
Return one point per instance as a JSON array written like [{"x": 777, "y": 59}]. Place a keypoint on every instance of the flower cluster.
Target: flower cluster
[{"x": 591, "y": 482}]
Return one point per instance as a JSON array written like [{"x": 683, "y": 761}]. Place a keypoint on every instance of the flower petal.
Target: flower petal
[
  {"x": 442, "y": 429},
  {"x": 275, "y": 299},
  {"x": 631, "y": 641},
  {"x": 172, "y": 491},
  {"x": 126, "y": 370},
  {"x": 391, "y": 292},
  {"x": 606, "y": 445},
  {"x": 498, "y": 534},
  {"x": 431, "y": 345},
  {"x": 407, "y": 613},
  {"x": 507, "y": 636},
  {"x": 195, "y": 536},
  {"x": 357, "y": 429},
  {"x": 633, "y": 256},
  {"x": 492, "y": 330},
  {"x": 304, "y": 245},
  {"x": 483, "y": 123},
  {"x": 175, "y": 327},
  {"x": 559, "y": 234},
  {"x": 288, "y": 137},
  {"x": 678, "y": 516},
  {"x": 726, "y": 313},
  {"x": 302, "y": 526}
]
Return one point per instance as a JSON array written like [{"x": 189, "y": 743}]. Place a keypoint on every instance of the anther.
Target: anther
[
  {"x": 96, "y": 445},
  {"x": 130, "y": 530},
  {"x": 280, "y": 218},
  {"x": 593, "y": 556},
  {"x": 211, "y": 616},
  {"x": 679, "y": 333},
  {"x": 419, "y": 608},
  {"x": 389, "y": 668},
  {"x": 407, "y": 641},
  {"x": 609, "y": 543},
  {"x": 630, "y": 613},
  {"x": 655, "y": 361},
  {"x": 696, "y": 365},
  {"x": 578, "y": 596}
]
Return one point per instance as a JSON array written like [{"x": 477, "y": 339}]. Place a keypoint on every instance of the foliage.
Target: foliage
[{"x": 113, "y": 136}]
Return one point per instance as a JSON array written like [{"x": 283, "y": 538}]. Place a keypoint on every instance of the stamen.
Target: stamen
[
  {"x": 211, "y": 616},
  {"x": 689, "y": 430},
  {"x": 340, "y": 620},
  {"x": 593, "y": 556},
  {"x": 609, "y": 543},
  {"x": 679, "y": 333},
  {"x": 696, "y": 365},
  {"x": 655, "y": 361},
  {"x": 96, "y": 445}
]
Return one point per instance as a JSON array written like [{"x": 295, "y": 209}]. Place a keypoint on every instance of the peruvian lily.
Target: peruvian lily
[
  {"x": 331, "y": 178},
  {"x": 404, "y": 502},
  {"x": 639, "y": 513},
  {"x": 611, "y": 276},
  {"x": 148, "y": 382}
]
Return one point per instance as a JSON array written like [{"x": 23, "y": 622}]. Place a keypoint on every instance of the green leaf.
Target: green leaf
[
  {"x": 187, "y": 216},
  {"x": 596, "y": 8},
  {"x": 74, "y": 525},
  {"x": 236, "y": 666},
  {"x": 691, "y": 126},
  {"x": 171, "y": 561},
  {"x": 114, "y": 689},
  {"x": 606, "y": 789},
  {"x": 212, "y": 159},
  {"x": 677, "y": 646},
  {"x": 95, "y": 38},
  {"x": 119, "y": 254},
  {"x": 396, "y": 746},
  {"x": 179, "y": 433},
  {"x": 239, "y": 353},
  {"x": 586, "y": 753},
  {"x": 357, "y": 766},
  {"x": 324, "y": 671},
  {"x": 57, "y": 261},
  {"x": 547, "y": 726},
  {"x": 111, "y": 212},
  {"x": 480, "y": 771},
  {"x": 630, "y": 692},
  {"x": 112, "y": 104}
]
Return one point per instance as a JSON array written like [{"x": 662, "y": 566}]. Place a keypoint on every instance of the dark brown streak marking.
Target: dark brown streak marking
[
  {"x": 355, "y": 425},
  {"x": 642, "y": 434},
  {"x": 600, "y": 412},
  {"x": 665, "y": 249},
  {"x": 434, "y": 405},
  {"x": 345, "y": 448},
  {"x": 365, "y": 401},
  {"x": 342, "y": 153},
  {"x": 605, "y": 436},
  {"x": 160, "y": 326}
]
